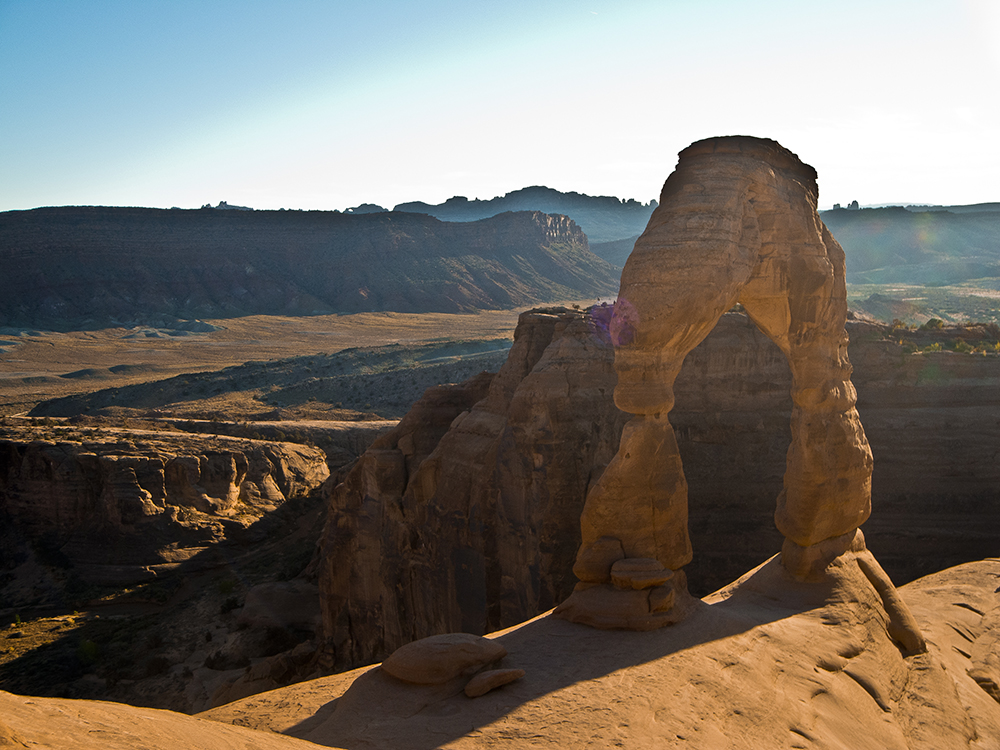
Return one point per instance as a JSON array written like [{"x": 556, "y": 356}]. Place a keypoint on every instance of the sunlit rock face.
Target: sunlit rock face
[{"x": 737, "y": 223}]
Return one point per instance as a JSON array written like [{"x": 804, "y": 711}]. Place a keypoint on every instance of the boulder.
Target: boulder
[{"x": 441, "y": 658}]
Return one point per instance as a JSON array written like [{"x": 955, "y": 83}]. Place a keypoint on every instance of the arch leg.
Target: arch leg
[
  {"x": 681, "y": 277},
  {"x": 827, "y": 484}
]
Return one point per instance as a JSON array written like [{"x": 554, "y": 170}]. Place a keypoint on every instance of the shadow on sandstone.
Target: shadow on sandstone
[
  {"x": 555, "y": 654},
  {"x": 236, "y": 617}
]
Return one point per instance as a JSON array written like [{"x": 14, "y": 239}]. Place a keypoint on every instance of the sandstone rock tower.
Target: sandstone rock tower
[{"x": 736, "y": 222}]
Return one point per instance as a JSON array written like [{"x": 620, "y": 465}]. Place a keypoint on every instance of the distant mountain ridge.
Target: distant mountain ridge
[
  {"x": 602, "y": 218},
  {"x": 93, "y": 266},
  {"x": 918, "y": 245},
  {"x": 969, "y": 208}
]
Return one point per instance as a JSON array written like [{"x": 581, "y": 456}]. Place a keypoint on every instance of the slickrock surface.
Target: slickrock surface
[
  {"x": 767, "y": 662},
  {"x": 96, "y": 725}
]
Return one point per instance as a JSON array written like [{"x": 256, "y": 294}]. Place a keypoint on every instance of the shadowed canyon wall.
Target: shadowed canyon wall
[
  {"x": 467, "y": 514},
  {"x": 129, "y": 509}
]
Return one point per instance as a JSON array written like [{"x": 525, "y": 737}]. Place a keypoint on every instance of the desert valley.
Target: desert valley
[{"x": 406, "y": 478}]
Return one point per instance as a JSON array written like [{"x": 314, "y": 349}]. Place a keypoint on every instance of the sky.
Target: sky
[{"x": 325, "y": 105}]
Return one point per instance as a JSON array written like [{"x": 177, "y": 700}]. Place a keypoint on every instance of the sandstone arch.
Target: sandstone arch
[{"x": 736, "y": 222}]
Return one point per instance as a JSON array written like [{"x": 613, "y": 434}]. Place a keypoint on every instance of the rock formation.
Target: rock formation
[
  {"x": 438, "y": 659},
  {"x": 736, "y": 223},
  {"x": 162, "y": 497},
  {"x": 931, "y": 418},
  {"x": 464, "y": 517}
]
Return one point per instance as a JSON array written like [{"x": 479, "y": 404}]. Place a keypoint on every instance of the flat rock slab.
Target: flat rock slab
[{"x": 89, "y": 725}]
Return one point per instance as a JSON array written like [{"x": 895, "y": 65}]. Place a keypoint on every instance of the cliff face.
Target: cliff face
[
  {"x": 932, "y": 420},
  {"x": 67, "y": 267},
  {"x": 475, "y": 527},
  {"x": 120, "y": 511}
]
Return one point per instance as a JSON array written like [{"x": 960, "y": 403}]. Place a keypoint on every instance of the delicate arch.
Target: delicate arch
[{"x": 736, "y": 222}]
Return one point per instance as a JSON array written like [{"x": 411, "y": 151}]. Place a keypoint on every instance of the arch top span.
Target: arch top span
[{"x": 736, "y": 222}]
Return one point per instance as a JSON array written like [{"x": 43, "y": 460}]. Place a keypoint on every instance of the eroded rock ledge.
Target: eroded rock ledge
[{"x": 126, "y": 507}]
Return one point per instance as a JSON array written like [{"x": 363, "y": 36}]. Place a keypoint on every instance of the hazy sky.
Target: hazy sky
[{"x": 309, "y": 104}]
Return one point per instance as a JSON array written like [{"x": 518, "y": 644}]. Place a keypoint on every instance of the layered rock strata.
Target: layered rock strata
[
  {"x": 124, "y": 509},
  {"x": 69, "y": 268},
  {"x": 932, "y": 419},
  {"x": 736, "y": 223},
  {"x": 465, "y": 516}
]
